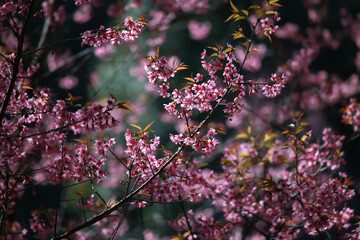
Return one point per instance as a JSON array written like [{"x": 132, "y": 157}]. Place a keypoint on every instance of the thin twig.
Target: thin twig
[
  {"x": 50, "y": 46},
  {"x": 60, "y": 188},
  {"x": 97, "y": 194},
  {"x": 119, "y": 159},
  {"x": 186, "y": 217}
]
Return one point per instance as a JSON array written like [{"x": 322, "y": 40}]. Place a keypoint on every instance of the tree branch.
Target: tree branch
[{"x": 16, "y": 62}]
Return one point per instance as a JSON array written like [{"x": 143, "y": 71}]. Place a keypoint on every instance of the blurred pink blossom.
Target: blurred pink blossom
[
  {"x": 159, "y": 20},
  {"x": 314, "y": 16},
  {"x": 94, "y": 79},
  {"x": 68, "y": 82},
  {"x": 357, "y": 60},
  {"x": 60, "y": 15},
  {"x": 139, "y": 71},
  {"x": 198, "y": 30},
  {"x": 114, "y": 10},
  {"x": 83, "y": 14},
  {"x": 104, "y": 52},
  {"x": 56, "y": 60},
  {"x": 253, "y": 63},
  {"x": 289, "y": 31},
  {"x": 159, "y": 40}
]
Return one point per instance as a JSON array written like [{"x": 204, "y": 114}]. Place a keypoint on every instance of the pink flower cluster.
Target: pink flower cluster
[
  {"x": 114, "y": 35},
  {"x": 204, "y": 224},
  {"x": 141, "y": 152},
  {"x": 198, "y": 94},
  {"x": 142, "y": 163},
  {"x": 205, "y": 144},
  {"x": 9, "y": 8},
  {"x": 355, "y": 234},
  {"x": 274, "y": 87},
  {"x": 268, "y": 26},
  {"x": 249, "y": 190},
  {"x": 42, "y": 223},
  {"x": 351, "y": 114},
  {"x": 81, "y": 163}
]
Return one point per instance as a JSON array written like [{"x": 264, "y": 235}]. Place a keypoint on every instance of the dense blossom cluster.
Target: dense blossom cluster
[
  {"x": 38, "y": 125},
  {"x": 200, "y": 94},
  {"x": 42, "y": 222},
  {"x": 114, "y": 35},
  {"x": 273, "y": 89},
  {"x": 142, "y": 164},
  {"x": 268, "y": 27},
  {"x": 264, "y": 186},
  {"x": 249, "y": 191}
]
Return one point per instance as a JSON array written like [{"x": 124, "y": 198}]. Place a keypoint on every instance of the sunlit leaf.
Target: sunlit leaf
[
  {"x": 260, "y": 13},
  {"x": 203, "y": 165},
  {"x": 245, "y": 12},
  {"x": 303, "y": 138},
  {"x": 238, "y": 35},
  {"x": 176, "y": 238},
  {"x": 142, "y": 20},
  {"x": 27, "y": 87},
  {"x": 270, "y": 136},
  {"x": 249, "y": 129},
  {"x": 275, "y": 5},
  {"x": 238, "y": 17},
  {"x": 226, "y": 161},
  {"x": 80, "y": 141},
  {"x": 254, "y": 7},
  {"x": 230, "y": 17},
  {"x": 270, "y": 12},
  {"x": 190, "y": 79},
  {"x": 181, "y": 67},
  {"x": 348, "y": 182},
  {"x": 136, "y": 126},
  {"x": 213, "y": 48},
  {"x": 149, "y": 125},
  {"x": 242, "y": 136},
  {"x": 229, "y": 50},
  {"x": 246, "y": 164},
  {"x": 218, "y": 46},
  {"x": 233, "y": 7},
  {"x": 124, "y": 105},
  {"x": 268, "y": 36}
]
